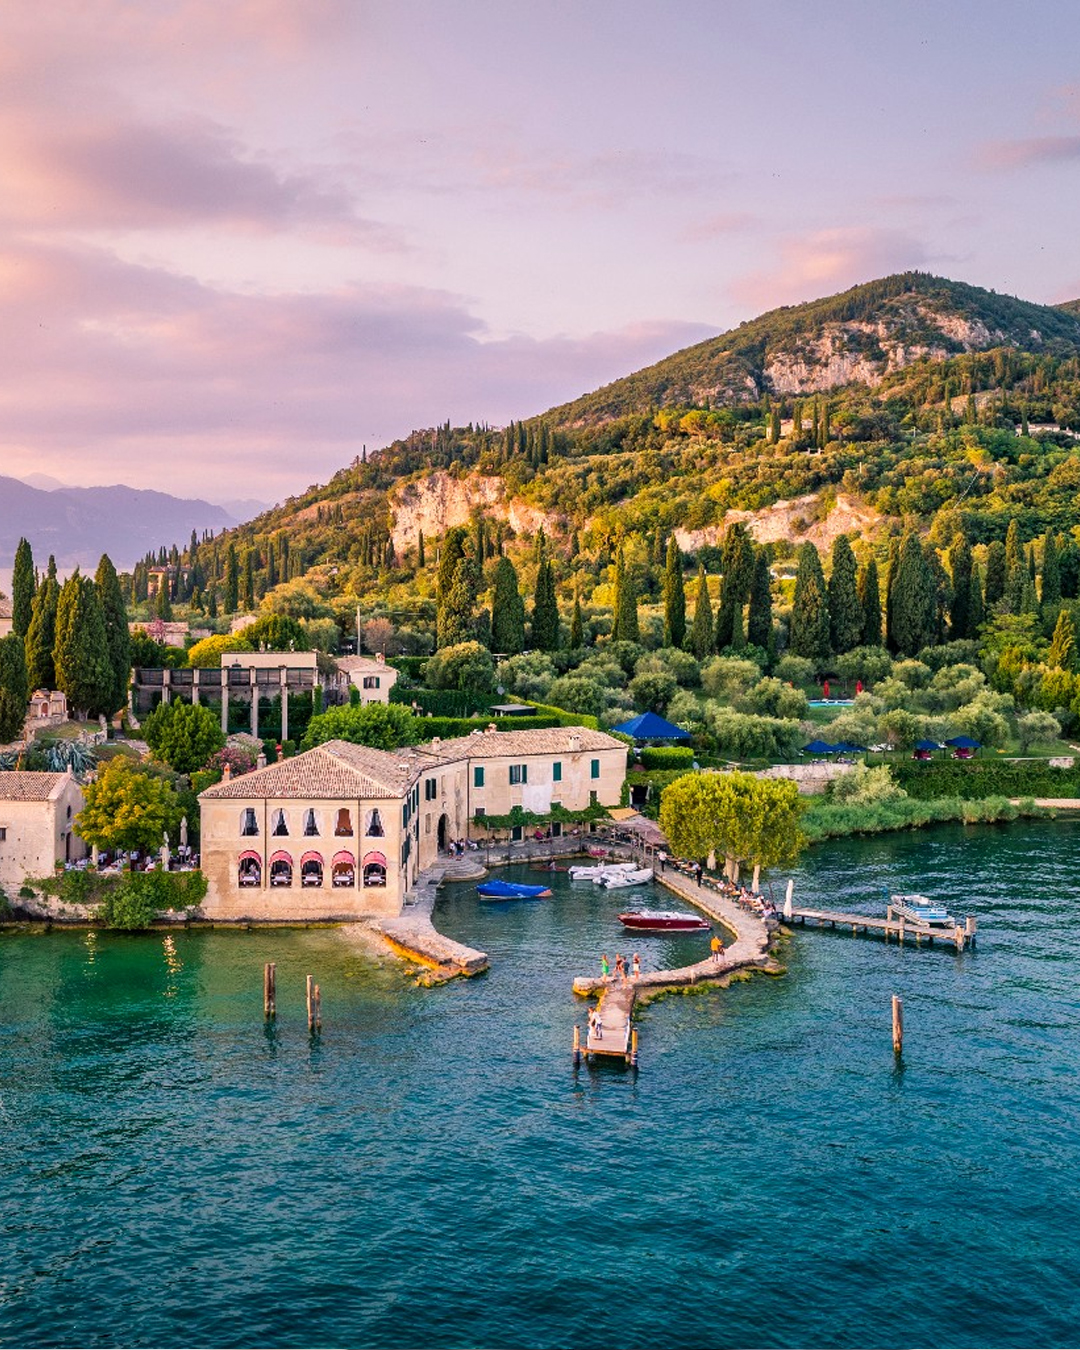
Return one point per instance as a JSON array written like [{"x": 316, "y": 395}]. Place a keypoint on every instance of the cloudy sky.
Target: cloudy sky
[{"x": 239, "y": 239}]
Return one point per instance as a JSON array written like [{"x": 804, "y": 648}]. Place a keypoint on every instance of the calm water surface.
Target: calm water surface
[{"x": 433, "y": 1172}]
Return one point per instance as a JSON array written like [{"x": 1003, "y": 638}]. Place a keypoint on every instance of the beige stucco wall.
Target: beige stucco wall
[
  {"x": 497, "y": 797},
  {"x": 222, "y": 845},
  {"x": 271, "y": 660},
  {"x": 37, "y": 836},
  {"x": 450, "y": 800},
  {"x": 384, "y": 674}
]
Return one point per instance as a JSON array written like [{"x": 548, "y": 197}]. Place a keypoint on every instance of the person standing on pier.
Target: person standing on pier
[
  {"x": 717, "y": 948},
  {"x": 637, "y": 965},
  {"x": 620, "y": 968},
  {"x": 605, "y": 968}
]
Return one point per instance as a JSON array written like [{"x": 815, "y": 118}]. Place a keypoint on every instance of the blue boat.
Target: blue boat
[{"x": 511, "y": 890}]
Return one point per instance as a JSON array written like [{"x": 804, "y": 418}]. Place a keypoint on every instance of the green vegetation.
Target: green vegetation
[
  {"x": 751, "y": 820},
  {"x": 183, "y": 735},
  {"x": 129, "y": 807}
]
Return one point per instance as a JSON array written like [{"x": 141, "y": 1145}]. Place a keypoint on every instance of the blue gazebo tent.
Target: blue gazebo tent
[
  {"x": 648, "y": 726},
  {"x": 820, "y": 748},
  {"x": 846, "y": 748},
  {"x": 927, "y": 745},
  {"x": 964, "y": 743}
]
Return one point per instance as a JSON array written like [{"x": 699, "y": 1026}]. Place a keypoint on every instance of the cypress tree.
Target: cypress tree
[
  {"x": 810, "y": 610},
  {"x": 41, "y": 637},
  {"x": 507, "y": 611},
  {"x": 454, "y": 621},
  {"x": 960, "y": 564},
  {"x": 420, "y": 561},
  {"x": 941, "y": 591},
  {"x": 22, "y": 589},
  {"x": 674, "y": 597},
  {"x": 977, "y": 611},
  {"x": 1029, "y": 600},
  {"x": 232, "y": 581},
  {"x": 845, "y": 612},
  {"x": 13, "y": 668},
  {"x": 890, "y": 590},
  {"x": 737, "y": 562},
  {"x": 625, "y": 628},
  {"x": 1051, "y": 572},
  {"x": 1069, "y": 567},
  {"x": 162, "y": 603},
  {"x": 701, "y": 631},
  {"x": 82, "y": 654},
  {"x": 913, "y": 598},
  {"x": 1063, "y": 645},
  {"x": 117, "y": 637},
  {"x": 247, "y": 596},
  {"x": 996, "y": 573},
  {"x": 577, "y": 628},
  {"x": 451, "y": 553},
  {"x": 545, "y": 616},
  {"x": 1015, "y": 569},
  {"x": 870, "y": 604},
  {"x": 759, "y": 618}
]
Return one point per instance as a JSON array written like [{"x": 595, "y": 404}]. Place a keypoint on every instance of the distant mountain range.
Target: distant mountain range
[{"x": 79, "y": 524}]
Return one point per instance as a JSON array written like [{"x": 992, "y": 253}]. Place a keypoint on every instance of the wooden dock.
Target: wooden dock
[
  {"x": 610, "y": 1030},
  {"x": 963, "y": 935}
]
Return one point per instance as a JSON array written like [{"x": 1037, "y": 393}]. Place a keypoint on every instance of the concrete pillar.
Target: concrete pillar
[
  {"x": 254, "y": 707},
  {"x": 284, "y": 705},
  {"x": 166, "y": 688},
  {"x": 224, "y": 704},
  {"x": 195, "y": 689}
]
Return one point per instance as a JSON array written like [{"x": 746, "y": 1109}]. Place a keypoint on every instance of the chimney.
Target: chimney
[
  {"x": 436, "y": 741},
  {"x": 575, "y": 744},
  {"x": 226, "y": 773},
  {"x": 380, "y": 657},
  {"x": 491, "y": 727},
  {"x": 260, "y": 762}
]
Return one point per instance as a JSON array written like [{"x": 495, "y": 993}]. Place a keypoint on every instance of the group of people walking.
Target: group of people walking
[{"x": 621, "y": 969}]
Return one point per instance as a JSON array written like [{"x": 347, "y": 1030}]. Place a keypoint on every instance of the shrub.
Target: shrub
[
  {"x": 667, "y": 757},
  {"x": 797, "y": 670},
  {"x": 728, "y": 677},
  {"x": 672, "y": 661},
  {"x": 771, "y": 697},
  {"x": 864, "y": 786},
  {"x": 578, "y": 694},
  {"x": 868, "y": 664},
  {"x": 651, "y": 690},
  {"x": 382, "y": 725},
  {"x": 465, "y": 665}
]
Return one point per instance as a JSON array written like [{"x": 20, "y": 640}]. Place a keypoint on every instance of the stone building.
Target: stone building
[
  {"x": 37, "y": 814},
  {"x": 370, "y": 675}
]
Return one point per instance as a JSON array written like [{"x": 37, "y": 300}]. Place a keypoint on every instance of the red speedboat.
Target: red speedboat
[{"x": 662, "y": 921}]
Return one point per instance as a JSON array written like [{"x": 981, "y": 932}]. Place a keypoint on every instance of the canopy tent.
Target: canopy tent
[
  {"x": 964, "y": 743},
  {"x": 846, "y": 748},
  {"x": 648, "y": 726},
  {"x": 927, "y": 745},
  {"x": 820, "y": 748}
]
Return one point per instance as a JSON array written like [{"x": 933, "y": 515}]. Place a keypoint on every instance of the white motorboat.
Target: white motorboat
[
  {"x": 920, "y": 909},
  {"x": 621, "y": 879},
  {"x": 594, "y": 872}
]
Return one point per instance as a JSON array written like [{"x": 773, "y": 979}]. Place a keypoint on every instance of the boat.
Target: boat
[
  {"x": 511, "y": 890},
  {"x": 584, "y": 872},
  {"x": 620, "y": 879},
  {"x": 662, "y": 921},
  {"x": 920, "y": 909}
]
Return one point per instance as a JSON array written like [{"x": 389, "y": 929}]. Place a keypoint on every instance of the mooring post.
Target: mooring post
[
  {"x": 633, "y": 1047},
  {"x": 318, "y": 1008},
  {"x": 971, "y": 926},
  {"x": 270, "y": 989},
  {"x": 310, "y": 1004},
  {"x": 787, "y": 897},
  {"x": 897, "y": 1024},
  {"x": 757, "y": 877},
  {"x": 959, "y": 936},
  {"x": 577, "y": 1046},
  {"x": 901, "y": 930}
]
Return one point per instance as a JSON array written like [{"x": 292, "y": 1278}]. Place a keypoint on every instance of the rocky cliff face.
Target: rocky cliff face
[{"x": 436, "y": 502}]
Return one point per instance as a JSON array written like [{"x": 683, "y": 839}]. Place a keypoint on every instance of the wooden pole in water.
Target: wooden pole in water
[
  {"x": 633, "y": 1047},
  {"x": 787, "y": 898},
  {"x": 577, "y": 1046},
  {"x": 310, "y": 1004},
  {"x": 897, "y": 1024},
  {"x": 901, "y": 930},
  {"x": 959, "y": 938},
  {"x": 318, "y": 1009},
  {"x": 971, "y": 926},
  {"x": 270, "y": 989},
  {"x": 757, "y": 877}
]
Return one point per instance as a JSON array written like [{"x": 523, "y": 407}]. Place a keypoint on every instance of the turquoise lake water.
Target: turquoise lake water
[{"x": 433, "y": 1171}]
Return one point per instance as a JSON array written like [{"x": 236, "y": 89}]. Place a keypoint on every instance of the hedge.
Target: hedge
[
  {"x": 667, "y": 757},
  {"x": 978, "y": 779},
  {"x": 410, "y": 666},
  {"x": 441, "y": 702},
  {"x": 834, "y": 820}
]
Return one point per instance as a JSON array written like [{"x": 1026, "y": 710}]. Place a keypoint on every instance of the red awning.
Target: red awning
[
  {"x": 344, "y": 857},
  {"x": 379, "y": 858},
  {"x": 251, "y": 856},
  {"x": 281, "y": 856},
  {"x": 311, "y": 857}
]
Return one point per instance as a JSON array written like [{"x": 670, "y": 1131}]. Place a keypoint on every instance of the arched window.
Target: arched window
[
  {"x": 374, "y": 824},
  {"x": 311, "y": 826},
  {"x": 374, "y": 869},
  {"x": 344, "y": 822},
  {"x": 250, "y": 870},
  {"x": 311, "y": 870},
  {"x": 343, "y": 869},
  {"x": 248, "y": 823},
  {"x": 281, "y": 870},
  {"x": 280, "y": 825}
]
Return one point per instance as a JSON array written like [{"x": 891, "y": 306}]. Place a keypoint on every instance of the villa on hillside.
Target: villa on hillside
[
  {"x": 37, "y": 811},
  {"x": 343, "y": 831},
  {"x": 370, "y": 675}
]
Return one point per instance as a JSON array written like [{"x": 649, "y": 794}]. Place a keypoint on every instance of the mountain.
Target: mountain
[{"x": 79, "y": 524}]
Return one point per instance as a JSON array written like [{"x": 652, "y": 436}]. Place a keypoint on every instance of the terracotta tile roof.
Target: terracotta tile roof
[
  {"x": 336, "y": 769},
  {"x": 370, "y": 663},
  {"x": 25, "y": 785},
  {"x": 540, "y": 741}
]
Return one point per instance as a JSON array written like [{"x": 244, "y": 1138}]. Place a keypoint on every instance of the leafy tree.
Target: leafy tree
[
  {"x": 13, "y": 668},
  {"x": 81, "y": 654},
  {"x": 733, "y": 815},
  {"x": 384, "y": 726},
  {"x": 1063, "y": 645},
  {"x": 545, "y": 615},
  {"x": 276, "y": 633},
  {"x": 729, "y": 677},
  {"x": 1036, "y": 728},
  {"x": 996, "y": 573},
  {"x": 41, "y": 635},
  {"x": 653, "y": 690},
  {"x": 231, "y": 598},
  {"x": 578, "y": 693},
  {"x": 674, "y": 597},
  {"x": 577, "y": 628},
  {"x": 960, "y": 562},
  {"x": 809, "y": 613},
  {"x": 22, "y": 589},
  {"x": 870, "y": 602},
  {"x": 129, "y": 807},
  {"x": 207, "y": 652},
  {"x": 701, "y": 631},
  {"x": 183, "y": 735},
  {"x": 507, "y": 611},
  {"x": 467, "y": 665},
  {"x": 845, "y": 612},
  {"x": 625, "y": 628},
  {"x": 913, "y": 598},
  {"x": 117, "y": 635},
  {"x": 12, "y": 715},
  {"x": 1051, "y": 572},
  {"x": 759, "y": 623},
  {"x": 737, "y": 562}
]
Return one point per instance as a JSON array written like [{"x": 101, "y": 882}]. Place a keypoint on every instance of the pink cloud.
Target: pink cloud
[
  {"x": 1020, "y": 154},
  {"x": 827, "y": 260},
  {"x": 721, "y": 225}
]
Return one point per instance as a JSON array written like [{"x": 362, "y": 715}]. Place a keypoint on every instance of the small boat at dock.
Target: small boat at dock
[
  {"x": 920, "y": 909},
  {"x": 620, "y": 879},
  {"x": 511, "y": 890},
  {"x": 662, "y": 921},
  {"x": 594, "y": 872}
]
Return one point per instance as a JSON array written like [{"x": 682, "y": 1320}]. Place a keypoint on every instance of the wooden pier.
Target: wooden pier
[
  {"x": 610, "y": 1030},
  {"x": 963, "y": 935}
]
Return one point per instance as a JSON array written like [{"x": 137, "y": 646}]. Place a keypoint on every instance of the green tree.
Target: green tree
[
  {"x": 913, "y": 599},
  {"x": 737, "y": 561},
  {"x": 117, "y": 635},
  {"x": 13, "y": 668},
  {"x": 701, "y": 631},
  {"x": 1037, "y": 728},
  {"x": 996, "y": 573},
  {"x": 845, "y": 612},
  {"x": 577, "y": 627},
  {"x": 276, "y": 633},
  {"x": 129, "y": 807},
  {"x": 1063, "y": 645},
  {"x": 450, "y": 554},
  {"x": 12, "y": 715},
  {"x": 893, "y": 568},
  {"x": 183, "y": 735},
  {"x": 206, "y": 654},
  {"x": 467, "y": 666},
  {"x": 870, "y": 603},
  {"x": 247, "y": 585},
  {"x": 163, "y": 602},
  {"x": 420, "y": 558},
  {"x": 625, "y": 627},
  {"x": 759, "y": 622},
  {"x": 81, "y": 654},
  {"x": 754, "y": 821},
  {"x": 977, "y": 610},
  {"x": 22, "y": 589},
  {"x": 41, "y": 635},
  {"x": 231, "y": 599},
  {"x": 545, "y": 615},
  {"x": 384, "y": 726},
  {"x": 456, "y": 611},
  {"x": 809, "y": 612},
  {"x": 1016, "y": 572},
  {"x": 674, "y": 597},
  {"x": 960, "y": 563},
  {"x": 1051, "y": 572},
  {"x": 507, "y": 611}
]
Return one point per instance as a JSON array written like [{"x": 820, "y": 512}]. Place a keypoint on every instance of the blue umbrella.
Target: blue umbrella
[
  {"x": 927, "y": 745},
  {"x": 964, "y": 743},
  {"x": 820, "y": 748}
]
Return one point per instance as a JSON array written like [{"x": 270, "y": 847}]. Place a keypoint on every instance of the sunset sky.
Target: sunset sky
[{"x": 239, "y": 239}]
